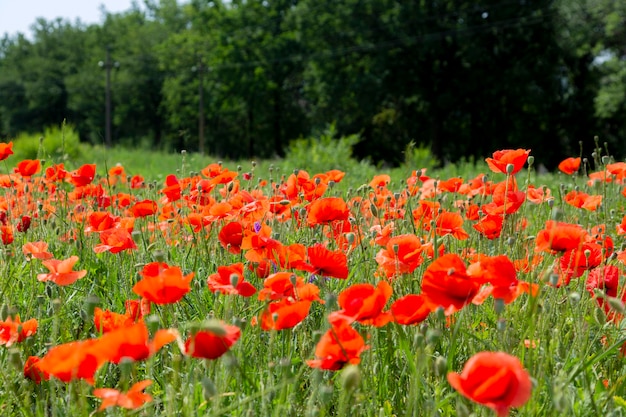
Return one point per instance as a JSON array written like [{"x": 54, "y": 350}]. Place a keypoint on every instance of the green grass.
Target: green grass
[{"x": 402, "y": 373}]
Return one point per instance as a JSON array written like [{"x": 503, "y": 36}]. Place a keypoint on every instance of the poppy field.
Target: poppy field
[{"x": 229, "y": 292}]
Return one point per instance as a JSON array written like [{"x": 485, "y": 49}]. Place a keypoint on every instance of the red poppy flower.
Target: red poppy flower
[
  {"x": 606, "y": 278},
  {"x": 327, "y": 263},
  {"x": 447, "y": 284},
  {"x": 131, "y": 399},
  {"x": 284, "y": 314},
  {"x": 106, "y": 321},
  {"x": 326, "y": 210},
  {"x": 212, "y": 342},
  {"x": 569, "y": 165},
  {"x": 73, "y": 360},
  {"x": 28, "y": 167},
  {"x": 490, "y": 226},
  {"x": 287, "y": 285},
  {"x": 559, "y": 237},
  {"x": 100, "y": 221},
  {"x": 340, "y": 345},
  {"x": 6, "y": 150},
  {"x": 410, "y": 309},
  {"x": 14, "y": 331},
  {"x": 173, "y": 188},
  {"x": 494, "y": 379},
  {"x": 402, "y": 254},
  {"x": 6, "y": 234},
  {"x": 364, "y": 303},
  {"x": 448, "y": 223},
  {"x": 583, "y": 200},
  {"x": 83, "y": 175},
  {"x": 144, "y": 208},
  {"x": 115, "y": 240},
  {"x": 32, "y": 372},
  {"x": 61, "y": 272},
  {"x": 231, "y": 236},
  {"x": 229, "y": 280},
  {"x": 131, "y": 342},
  {"x": 163, "y": 284},
  {"x": 37, "y": 250},
  {"x": 516, "y": 158}
]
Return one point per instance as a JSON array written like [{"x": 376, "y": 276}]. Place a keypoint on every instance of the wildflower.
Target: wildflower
[
  {"x": 494, "y": 379},
  {"x": 340, "y": 345},
  {"x": 229, "y": 280},
  {"x": 163, "y": 284},
  {"x": 231, "y": 236},
  {"x": 212, "y": 342},
  {"x": 61, "y": 271},
  {"x": 287, "y": 285},
  {"x": 14, "y": 331},
  {"x": 6, "y": 150},
  {"x": 144, "y": 208},
  {"x": 402, "y": 254},
  {"x": 327, "y": 263},
  {"x": 517, "y": 158},
  {"x": 83, "y": 175},
  {"x": 326, "y": 210},
  {"x": 115, "y": 240},
  {"x": 37, "y": 250},
  {"x": 28, "y": 167},
  {"x": 132, "y": 399},
  {"x": 448, "y": 223},
  {"x": 131, "y": 342},
  {"x": 560, "y": 237},
  {"x": 284, "y": 314},
  {"x": 410, "y": 309},
  {"x": 69, "y": 361},
  {"x": 569, "y": 165},
  {"x": 447, "y": 284},
  {"x": 364, "y": 303}
]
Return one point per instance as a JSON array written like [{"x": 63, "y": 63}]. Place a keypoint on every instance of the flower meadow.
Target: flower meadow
[{"x": 219, "y": 292}]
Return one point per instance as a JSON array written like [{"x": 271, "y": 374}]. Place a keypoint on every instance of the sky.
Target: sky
[{"x": 19, "y": 15}]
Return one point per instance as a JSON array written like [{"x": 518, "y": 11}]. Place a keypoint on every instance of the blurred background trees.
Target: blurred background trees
[{"x": 243, "y": 78}]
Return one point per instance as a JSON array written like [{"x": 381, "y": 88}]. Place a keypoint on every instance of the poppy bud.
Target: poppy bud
[
  {"x": 209, "y": 390},
  {"x": 441, "y": 366},
  {"x": 351, "y": 377}
]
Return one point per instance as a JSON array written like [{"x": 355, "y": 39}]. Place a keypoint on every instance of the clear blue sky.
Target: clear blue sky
[{"x": 19, "y": 15}]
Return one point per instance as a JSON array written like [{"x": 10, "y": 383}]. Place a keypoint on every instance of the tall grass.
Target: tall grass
[{"x": 572, "y": 354}]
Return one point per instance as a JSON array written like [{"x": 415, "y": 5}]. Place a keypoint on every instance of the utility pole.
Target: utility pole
[{"x": 108, "y": 65}]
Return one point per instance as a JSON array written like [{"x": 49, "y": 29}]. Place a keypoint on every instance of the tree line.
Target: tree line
[{"x": 242, "y": 78}]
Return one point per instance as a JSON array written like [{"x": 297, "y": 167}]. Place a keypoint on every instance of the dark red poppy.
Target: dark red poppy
[{"x": 213, "y": 341}]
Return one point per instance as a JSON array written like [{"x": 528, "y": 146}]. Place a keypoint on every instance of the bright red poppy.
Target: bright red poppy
[
  {"x": 131, "y": 399},
  {"x": 284, "y": 314},
  {"x": 163, "y": 284},
  {"x": 83, "y": 175},
  {"x": 131, "y": 342},
  {"x": 6, "y": 150},
  {"x": 402, "y": 254},
  {"x": 287, "y": 285},
  {"x": 14, "y": 331},
  {"x": 115, "y": 240},
  {"x": 446, "y": 284},
  {"x": 410, "y": 309},
  {"x": 327, "y": 210},
  {"x": 327, "y": 263},
  {"x": 560, "y": 237},
  {"x": 364, "y": 303},
  {"x": 339, "y": 346},
  {"x": 495, "y": 379},
  {"x": 569, "y": 165},
  {"x": 230, "y": 280},
  {"x": 144, "y": 208},
  {"x": 516, "y": 158},
  {"x": 69, "y": 361},
  {"x": 61, "y": 272},
  {"x": 28, "y": 167},
  {"x": 231, "y": 237},
  {"x": 213, "y": 341}
]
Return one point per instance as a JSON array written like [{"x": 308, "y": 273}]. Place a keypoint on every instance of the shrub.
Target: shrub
[
  {"x": 319, "y": 154},
  {"x": 55, "y": 143}
]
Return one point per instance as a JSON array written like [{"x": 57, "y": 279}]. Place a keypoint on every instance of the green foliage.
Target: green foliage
[
  {"x": 55, "y": 144},
  {"x": 321, "y": 153},
  {"x": 418, "y": 157}
]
